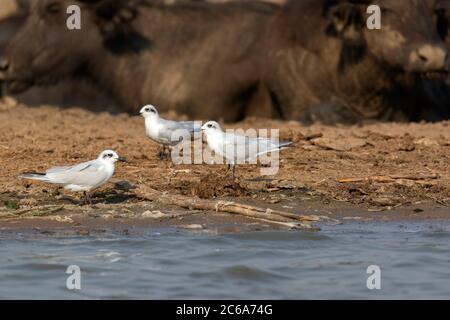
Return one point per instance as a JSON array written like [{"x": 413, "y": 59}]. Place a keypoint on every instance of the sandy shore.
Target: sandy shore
[{"x": 380, "y": 171}]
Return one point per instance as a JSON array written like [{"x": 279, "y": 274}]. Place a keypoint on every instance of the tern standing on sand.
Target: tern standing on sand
[
  {"x": 238, "y": 149},
  {"x": 166, "y": 132},
  {"x": 83, "y": 177}
]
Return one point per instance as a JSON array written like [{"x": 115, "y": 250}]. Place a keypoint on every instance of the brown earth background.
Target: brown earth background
[
  {"x": 362, "y": 172},
  {"x": 373, "y": 171}
]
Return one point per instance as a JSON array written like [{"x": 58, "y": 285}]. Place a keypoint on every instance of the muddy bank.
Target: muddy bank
[
  {"x": 371, "y": 171},
  {"x": 75, "y": 220}
]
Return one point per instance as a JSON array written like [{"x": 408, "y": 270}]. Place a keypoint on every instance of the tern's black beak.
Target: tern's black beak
[{"x": 121, "y": 159}]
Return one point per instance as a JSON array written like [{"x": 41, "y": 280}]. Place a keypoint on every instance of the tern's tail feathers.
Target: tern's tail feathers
[
  {"x": 34, "y": 176},
  {"x": 282, "y": 145},
  {"x": 285, "y": 144}
]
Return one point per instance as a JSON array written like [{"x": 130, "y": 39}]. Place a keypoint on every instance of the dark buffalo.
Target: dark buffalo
[
  {"x": 442, "y": 19},
  {"x": 325, "y": 64},
  {"x": 316, "y": 57},
  {"x": 438, "y": 90},
  {"x": 192, "y": 57}
]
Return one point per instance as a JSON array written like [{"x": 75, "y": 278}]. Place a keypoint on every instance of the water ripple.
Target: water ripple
[{"x": 332, "y": 263}]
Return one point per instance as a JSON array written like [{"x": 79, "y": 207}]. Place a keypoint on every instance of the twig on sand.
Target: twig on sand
[
  {"x": 390, "y": 178},
  {"x": 193, "y": 203},
  {"x": 289, "y": 225},
  {"x": 5, "y": 215},
  {"x": 38, "y": 211}
]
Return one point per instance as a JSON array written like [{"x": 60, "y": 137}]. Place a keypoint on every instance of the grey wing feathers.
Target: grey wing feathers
[
  {"x": 238, "y": 140},
  {"x": 74, "y": 168},
  {"x": 171, "y": 126},
  {"x": 58, "y": 169},
  {"x": 34, "y": 176},
  {"x": 268, "y": 145},
  {"x": 285, "y": 143},
  {"x": 86, "y": 173},
  {"x": 191, "y": 126},
  {"x": 263, "y": 143},
  {"x": 259, "y": 145}
]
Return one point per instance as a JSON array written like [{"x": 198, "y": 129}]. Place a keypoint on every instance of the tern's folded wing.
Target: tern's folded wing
[
  {"x": 58, "y": 169},
  {"x": 89, "y": 173},
  {"x": 238, "y": 147},
  {"x": 253, "y": 146},
  {"x": 174, "y": 131},
  {"x": 192, "y": 126},
  {"x": 269, "y": 145}
]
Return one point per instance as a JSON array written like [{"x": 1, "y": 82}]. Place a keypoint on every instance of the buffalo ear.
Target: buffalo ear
[
  {"x": 112, "y": 15},
  {"x": 114, "y": 20},
  {"x": 346, "y": 22},
  {"x": 442, "y": 14}
]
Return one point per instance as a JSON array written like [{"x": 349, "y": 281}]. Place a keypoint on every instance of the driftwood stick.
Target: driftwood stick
[
  {"x": 43, "y": 209},
  {"x": 416, "y": 178},
  {"x": 387, "y": 178},
  {"x": 4, "y": 215},
  {"x": 288, "y": 225},
  {"x": 192, "y": 203},
  {"x": 247, "y": 209}
]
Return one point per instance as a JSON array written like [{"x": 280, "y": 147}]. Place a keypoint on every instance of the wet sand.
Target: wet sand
[{"x": 370, "y": 172}]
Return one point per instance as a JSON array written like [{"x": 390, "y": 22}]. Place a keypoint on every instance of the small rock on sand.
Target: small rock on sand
[
  {"x": 7, "y": 102},
  {"x": 153, "y": 214},
  {"x": 426, "y": 142},
  {"x": 192, "y": 226}
]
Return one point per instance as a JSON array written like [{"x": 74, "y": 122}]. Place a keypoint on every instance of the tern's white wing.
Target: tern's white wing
[
  {"x": 91, "y": 173},
  {"x": 192, "y": 126},
  {"x": 169, "y": 127},
  {"x": 268, "y": 145},
  {"x": 245, "y": 147},
  {"x": 237, "y": 148},
  {"x": 58, "y": 169}
]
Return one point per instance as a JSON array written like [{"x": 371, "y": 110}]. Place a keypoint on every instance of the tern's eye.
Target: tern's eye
[
  {"x": 152, "y": 110},
  {"x": 147, "y": 110},
  {"x": 109, "y": 155},
  {"x": 210, "y": 125}
]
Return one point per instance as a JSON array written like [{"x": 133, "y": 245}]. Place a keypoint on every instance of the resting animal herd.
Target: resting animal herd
[{"x": 308, "y": 60}]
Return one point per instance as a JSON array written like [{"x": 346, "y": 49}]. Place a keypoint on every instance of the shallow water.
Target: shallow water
[{"x": 167, "y": 264}]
